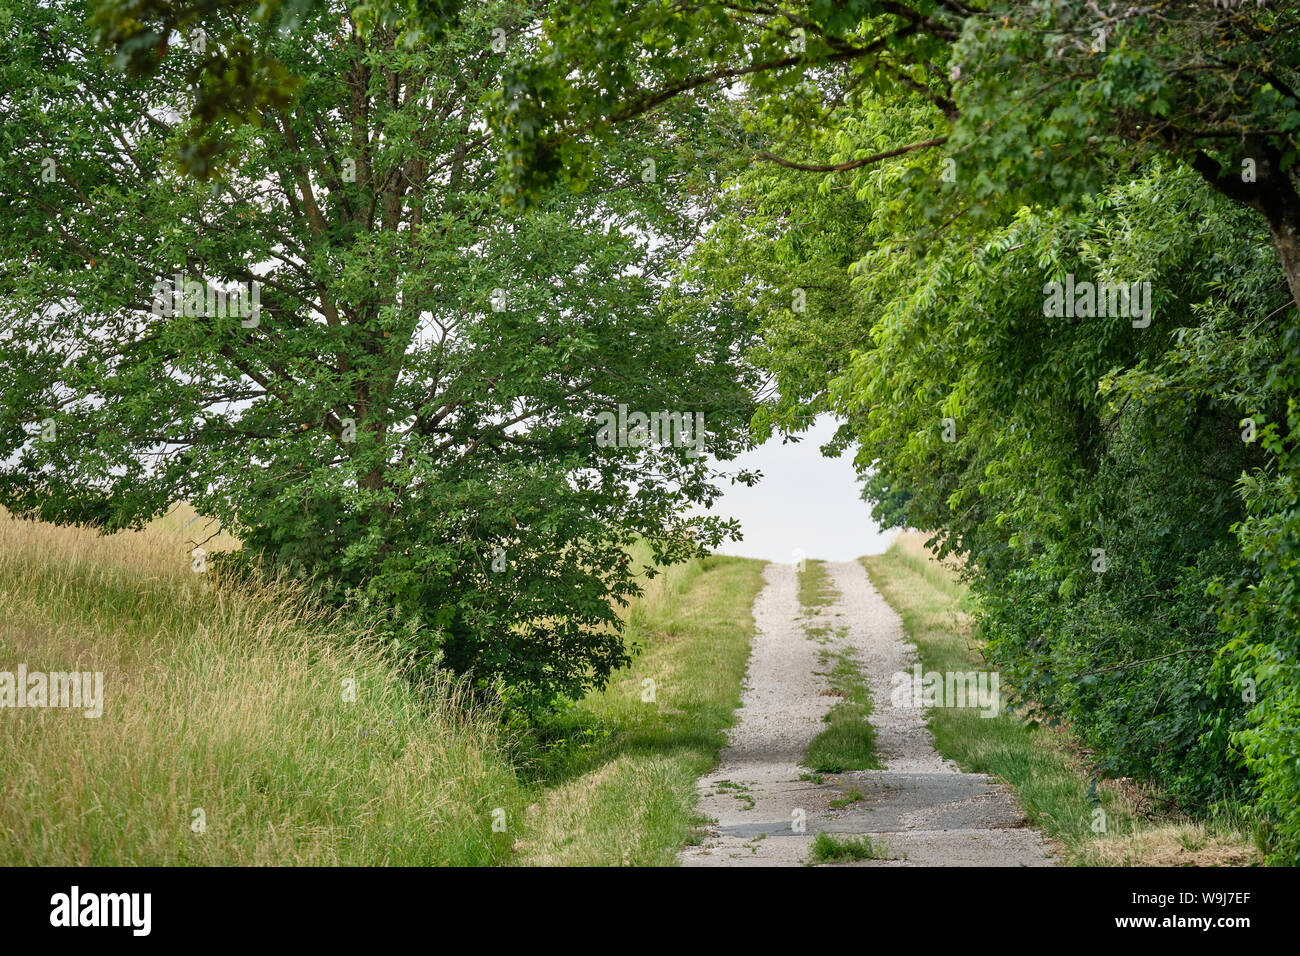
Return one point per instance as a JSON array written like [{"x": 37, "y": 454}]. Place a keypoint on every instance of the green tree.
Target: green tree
[
  {"x": 1030, "y": 99},
  {"x": 409, "y": 412},
  {"x": 233, "y": 71},
  {"x": 1122, "y": 493}
]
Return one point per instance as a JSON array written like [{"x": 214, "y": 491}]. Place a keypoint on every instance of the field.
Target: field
[{"x": 240, "y": 727}]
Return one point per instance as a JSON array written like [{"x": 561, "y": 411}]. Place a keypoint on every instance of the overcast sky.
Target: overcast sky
[{"x": 805, "y": 500}]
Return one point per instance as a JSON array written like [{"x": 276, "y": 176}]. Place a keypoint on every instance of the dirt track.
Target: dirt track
[{"x": 924, "y": 810}]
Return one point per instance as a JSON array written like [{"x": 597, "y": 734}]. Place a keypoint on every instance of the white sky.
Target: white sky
[{"x": 805, "y": 500}]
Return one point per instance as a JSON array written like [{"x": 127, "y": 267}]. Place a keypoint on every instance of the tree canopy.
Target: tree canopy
[
  {"x": 1120, "y": 484},
  {"x": 1030, "y": 99},
  {"x": 409, "y": 411}
]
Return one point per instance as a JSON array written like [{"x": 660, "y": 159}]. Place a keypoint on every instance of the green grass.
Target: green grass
[
  {"x": 614, "y": 776},
  {"x": 849, "y": 740},
  {"x": 850, "y": 798},
  {"x": 737, "y": 790},
  {"x": 1040, "y": 764},
  {"x": 815, "y": 587},
  {"x": 228, "y": 701},
  {"x": 828, "y": 849}
]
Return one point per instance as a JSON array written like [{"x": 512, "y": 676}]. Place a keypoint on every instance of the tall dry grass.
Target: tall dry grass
[{"x": 227, "y": 700}]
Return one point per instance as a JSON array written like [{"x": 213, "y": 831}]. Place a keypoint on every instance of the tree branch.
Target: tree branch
[{"x": 854, "y": 164}]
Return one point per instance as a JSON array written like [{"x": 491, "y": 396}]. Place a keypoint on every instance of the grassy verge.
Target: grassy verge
[
  {"x": 242, "y": 728},
  {"x": 1044, "y": 766},
  {"x": 615, "y": 775},
  {"x": 227, "y": 735},
  {"x": 849, "y": 740}
]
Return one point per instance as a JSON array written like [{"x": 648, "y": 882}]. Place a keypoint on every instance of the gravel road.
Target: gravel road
[{"x": 924, "y": 810}]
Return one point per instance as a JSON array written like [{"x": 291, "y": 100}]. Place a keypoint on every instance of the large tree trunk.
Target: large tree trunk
[
  {"x": 1286, "y": 239},
  {"x": 1273, "y": 194}
]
